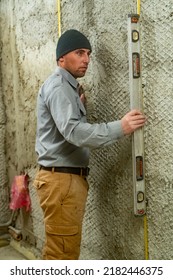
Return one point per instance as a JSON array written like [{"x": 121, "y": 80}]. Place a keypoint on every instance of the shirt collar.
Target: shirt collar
[{"x": 67, "y": 76}]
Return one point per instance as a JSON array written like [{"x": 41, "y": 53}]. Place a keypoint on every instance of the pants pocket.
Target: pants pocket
[
  {"x": 62, "y": 230},
  {"x": 41, "y": 188},
  {"x": 38, "y": 184},
  {"x": 63, "y": 241}
]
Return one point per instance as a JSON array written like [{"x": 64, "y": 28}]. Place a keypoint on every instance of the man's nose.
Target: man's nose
[{"x": 86, "y": 58}]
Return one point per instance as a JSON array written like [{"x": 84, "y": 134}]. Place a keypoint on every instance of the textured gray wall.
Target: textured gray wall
[
  {"x": 157, "y": 37},
  {"x": 30, "y": 32},
  {"x": 4, "y": 190}
]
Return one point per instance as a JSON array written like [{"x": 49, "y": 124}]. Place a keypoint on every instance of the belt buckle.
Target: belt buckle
[{"x": 84, "y": 171}]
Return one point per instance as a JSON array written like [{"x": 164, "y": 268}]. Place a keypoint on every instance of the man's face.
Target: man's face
[{"x": 76, "y": 62}]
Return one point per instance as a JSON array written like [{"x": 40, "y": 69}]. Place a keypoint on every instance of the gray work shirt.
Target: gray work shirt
[{"x": 64, "y": 136}]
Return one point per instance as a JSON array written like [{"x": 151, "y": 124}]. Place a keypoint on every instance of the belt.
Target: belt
[{"x": 82, "y": 171}]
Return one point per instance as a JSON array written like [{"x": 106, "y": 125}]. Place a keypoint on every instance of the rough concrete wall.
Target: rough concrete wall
[
  {"x": 30, "y": 33},
  {"x": 27, "y": 57},
  {"x": 4, "y": 191},
  {"x": 157, "y": 38}
]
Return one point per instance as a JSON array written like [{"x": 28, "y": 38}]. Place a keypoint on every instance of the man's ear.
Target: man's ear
[{"x": 61, "y": 59}]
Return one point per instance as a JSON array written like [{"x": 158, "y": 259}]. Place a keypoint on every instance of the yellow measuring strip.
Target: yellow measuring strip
[
  {"x": 138, "y": 7},
  {"x": 59, "y": 17}
]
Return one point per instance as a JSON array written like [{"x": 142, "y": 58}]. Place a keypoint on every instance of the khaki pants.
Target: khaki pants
[{"x": 62, "y": 197}]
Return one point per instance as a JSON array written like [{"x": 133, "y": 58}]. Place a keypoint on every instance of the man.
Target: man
[{"x": 63, "y": 141}]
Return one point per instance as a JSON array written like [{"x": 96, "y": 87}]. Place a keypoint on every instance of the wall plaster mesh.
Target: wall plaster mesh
[
  {"x": 157, "y": 37},
  {"x": 4, "y": 194},
  {"x": 110, "y": 230}
]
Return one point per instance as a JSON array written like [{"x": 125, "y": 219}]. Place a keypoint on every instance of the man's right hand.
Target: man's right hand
[{"x": 132, "y": 121}]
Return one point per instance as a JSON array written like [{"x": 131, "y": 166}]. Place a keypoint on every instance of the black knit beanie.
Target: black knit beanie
[{"x": 70, "y": 41}]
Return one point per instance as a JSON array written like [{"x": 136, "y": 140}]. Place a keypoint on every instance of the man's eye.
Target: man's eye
[{"x": 79, "y": 53}]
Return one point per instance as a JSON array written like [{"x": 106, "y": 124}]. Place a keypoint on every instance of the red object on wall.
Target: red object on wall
[{"x": 20, "y": 193}]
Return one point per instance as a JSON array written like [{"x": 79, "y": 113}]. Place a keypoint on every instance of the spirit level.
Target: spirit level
[{"x": 136, "y": 103}]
